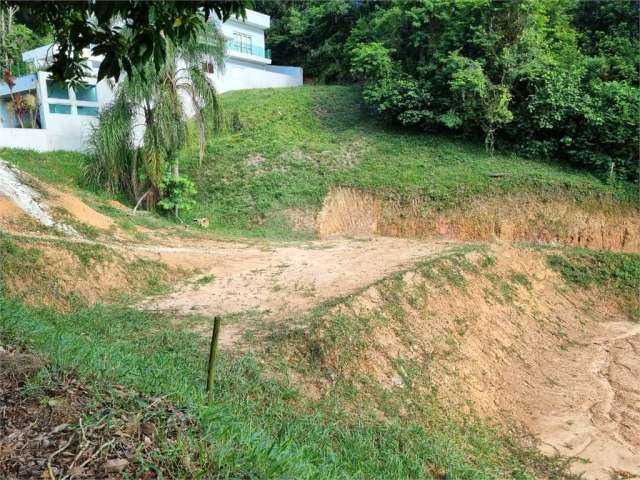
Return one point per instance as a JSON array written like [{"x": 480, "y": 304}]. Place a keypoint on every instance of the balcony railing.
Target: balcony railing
[
  {"x": 248, "y": 49},
  {"x": 19, "y": 69}
]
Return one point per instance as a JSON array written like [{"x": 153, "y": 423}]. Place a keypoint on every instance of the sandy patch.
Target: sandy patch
[
  {"x": 281, "y": 281},
  {"x": 77, "y": 208},
  {"x": 562, "y": 364},
  {"x": 9, "y": 210}
]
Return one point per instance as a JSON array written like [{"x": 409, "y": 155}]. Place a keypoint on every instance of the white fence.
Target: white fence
[{"x": 41, "y": 140}]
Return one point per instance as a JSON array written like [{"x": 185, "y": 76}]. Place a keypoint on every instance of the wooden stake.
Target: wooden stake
[{"x": 212, "y": 357}]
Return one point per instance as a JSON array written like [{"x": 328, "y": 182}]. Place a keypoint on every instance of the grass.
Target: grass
[
  {"x": 618, "y": 272},
  {"x": 258, "y": 427},
  {"x": 64, "y": 169},
  {"x": 27, "y": 272},
  {"x": 294, "y": 145},
  {"x": 59, "y": 167}
]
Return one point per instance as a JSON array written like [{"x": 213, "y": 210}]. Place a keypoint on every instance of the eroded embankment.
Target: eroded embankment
[
  {"x": 63, "y": 274},
  {"x": 498, "y": 333},
  {"x": 596, "y": 224}
]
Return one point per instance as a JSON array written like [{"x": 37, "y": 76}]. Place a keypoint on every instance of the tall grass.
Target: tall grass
[{"x": 112, "y": 159}]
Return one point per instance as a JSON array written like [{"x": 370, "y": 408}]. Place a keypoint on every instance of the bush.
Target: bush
[
  {"x": 178, "y": 194},
  {"x": 552, "y": 79}
]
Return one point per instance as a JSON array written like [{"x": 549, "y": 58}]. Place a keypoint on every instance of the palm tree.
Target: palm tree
[{"x": 141, "y": 132}]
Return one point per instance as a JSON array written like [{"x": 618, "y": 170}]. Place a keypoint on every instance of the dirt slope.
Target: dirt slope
[
  {"x": 600, "y": 225},
  {"x": 501, "y": 334},
  {"x": 503, "y": 337}
]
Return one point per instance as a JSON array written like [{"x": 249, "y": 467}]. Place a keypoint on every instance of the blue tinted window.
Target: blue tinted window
[
  {"x": 86, "y": 93},
  {"x": 57, "y": 90},
  {"x": 55, "y": 108},
  {"x": 88, "y": 111}
]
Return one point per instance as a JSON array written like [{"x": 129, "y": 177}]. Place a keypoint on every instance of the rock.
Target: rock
[{"x": 116, "y": 466}]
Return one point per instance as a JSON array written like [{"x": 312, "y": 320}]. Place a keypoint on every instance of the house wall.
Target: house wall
[
  {"x": 232, "y": 26},
  {"x": 240, "y": 75},
  {"x": 7, "y": 119},
  {"x": 61, "y": 131},
  {"x": 58, "y": 122},
  {"x": 41, "y": 140}
]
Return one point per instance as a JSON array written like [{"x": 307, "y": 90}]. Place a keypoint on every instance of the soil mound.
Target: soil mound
[
  {"x": 599, "y": 225},
  {"x": 63, "y": 274},
  {"x": 501, "y": 334},
  {"x": 77, "y": 209}
]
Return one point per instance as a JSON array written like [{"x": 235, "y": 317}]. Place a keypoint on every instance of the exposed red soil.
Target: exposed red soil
[
  {"x": 561, "y": 364},
  {"x": 599, "y": 225}
]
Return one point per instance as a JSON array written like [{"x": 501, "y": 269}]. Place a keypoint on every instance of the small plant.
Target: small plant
[
  {"x": 178, "y": 194},
  {"x": 24, "y": 106},
  {"x": 234, "y": 122},
  {"x": 205, "y": 280}
]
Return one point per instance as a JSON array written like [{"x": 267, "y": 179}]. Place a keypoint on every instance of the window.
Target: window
[
  {"x": 56, "y": 108},
  {"x": 57, "y": 90},
  {"x": 207, "y": 67},
  {"x": 88, "y": 111},
  {"x": 243, "y": 42},
  {"x": 86, "y": 93}
]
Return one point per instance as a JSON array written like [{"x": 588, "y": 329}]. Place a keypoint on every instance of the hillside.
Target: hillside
[
  {"x": 288, "y": 153},
  {"x": 429, "y": 316},
  {"x": 292, "y": 147}
]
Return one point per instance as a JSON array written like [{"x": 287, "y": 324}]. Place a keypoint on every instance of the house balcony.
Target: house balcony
[
  {"x": 22, "y": 68},
  {"x": 248, "y": 52}
]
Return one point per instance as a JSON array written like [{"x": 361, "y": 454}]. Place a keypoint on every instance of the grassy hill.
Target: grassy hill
[
  {"x": 285, "y": 149},
  {"x": 293, "y": 145},
  {"x": 331, "y": 400}
]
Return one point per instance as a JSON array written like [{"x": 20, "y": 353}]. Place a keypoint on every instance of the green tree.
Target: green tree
[
  {"x": 151, "y": 28},
  {"x": 313, "y": 34},
  {"x": 153, "y": 104},
  {"x": 551, "y": 78}
]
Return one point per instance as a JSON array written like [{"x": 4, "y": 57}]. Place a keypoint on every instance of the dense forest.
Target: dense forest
[{"x": 554, "y": 79}]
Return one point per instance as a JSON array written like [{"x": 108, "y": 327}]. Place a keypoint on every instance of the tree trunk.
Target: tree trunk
[{"x": 202, "y": 142}]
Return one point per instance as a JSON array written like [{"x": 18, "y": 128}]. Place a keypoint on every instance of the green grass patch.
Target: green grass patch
[
  {"x": 297, "y": 144},
  {"x": 260, "y": 426},
  {"x": 58, "y": 168},
  {"x": 618, "y": 272}
]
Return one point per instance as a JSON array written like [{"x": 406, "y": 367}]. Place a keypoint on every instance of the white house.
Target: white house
[{"x": 65, "y": 115}]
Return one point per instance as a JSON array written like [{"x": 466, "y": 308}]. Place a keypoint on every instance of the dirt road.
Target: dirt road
[{"x": 280, "y": 281}]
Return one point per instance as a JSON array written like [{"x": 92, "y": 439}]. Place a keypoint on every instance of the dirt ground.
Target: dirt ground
[
  {"x": 598, "y": 224},
  {"x": 594, "y": 411},
  {"x": 280, "y": 281},
  {"x": 579, "y": 398}
]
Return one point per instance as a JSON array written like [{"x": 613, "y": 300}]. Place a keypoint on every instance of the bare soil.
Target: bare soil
[
  {"x": 8, "y": 210},
  {"x": 79, "y": 210},
  {"x": 561, "y": 363},
  {"x": 599, "y": 225},
  {"x": 64, "y": 275}
]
